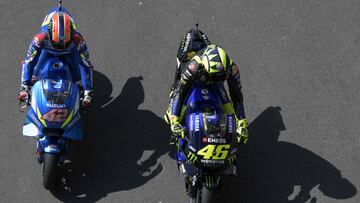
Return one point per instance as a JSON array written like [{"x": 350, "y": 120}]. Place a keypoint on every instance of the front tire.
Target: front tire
[
  {"x": 50, "y": 170},
  {"x": 207, "y": 196},
  {"x": 203, "y": 195}
]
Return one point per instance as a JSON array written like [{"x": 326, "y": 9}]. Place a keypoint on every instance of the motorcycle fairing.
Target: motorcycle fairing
[
  {"x": 203, "y": 114},
  {"x": 53, "y": 95}
]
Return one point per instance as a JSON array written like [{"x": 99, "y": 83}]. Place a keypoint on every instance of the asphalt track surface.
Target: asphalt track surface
[{"x": 300, "y": 72}]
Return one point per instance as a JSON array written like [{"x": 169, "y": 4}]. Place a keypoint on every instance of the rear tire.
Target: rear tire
[{"x": 50, "y": 170}]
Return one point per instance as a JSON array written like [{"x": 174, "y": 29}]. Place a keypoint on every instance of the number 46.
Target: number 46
[{"x": 214, "y": 151}]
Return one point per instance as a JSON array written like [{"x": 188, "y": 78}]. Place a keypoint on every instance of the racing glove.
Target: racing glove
[
  {"x": 86, "y": 102},
  {"x": 176, "y": 128},
  {"x": 242, "y": 132},
  {"x": 24, "y": 92}
]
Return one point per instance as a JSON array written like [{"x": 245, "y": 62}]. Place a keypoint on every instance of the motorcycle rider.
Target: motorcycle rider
[
  {"x": 209, "y": 66},
  {"x": 58, "y": 37}
]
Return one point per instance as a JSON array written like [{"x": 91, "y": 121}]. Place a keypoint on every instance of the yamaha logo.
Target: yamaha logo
[
  {"x": 205, "y": 91},
  {"x": 58, "y": 65}
]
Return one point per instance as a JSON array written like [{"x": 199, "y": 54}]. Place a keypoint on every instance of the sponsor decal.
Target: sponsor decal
[
  {"x": 73, "y": 121},
  {"x": 191, "y": 121},
  {"x": 53, "y": 105},
  {"x": 230, "y": 124},
  {"x": 197, "y": 123},
  {"x": 187, "y": 41},
  {"x": 23, "y": 72},
  {"x": 214, "y": 140},
  {"x": 207, "y": 161},
  {"x": 34, "y": 119},
  {"x": 55, "y": 115}
]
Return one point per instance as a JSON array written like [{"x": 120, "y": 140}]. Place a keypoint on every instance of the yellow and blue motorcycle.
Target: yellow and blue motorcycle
[{"x": 208, "y": 149}]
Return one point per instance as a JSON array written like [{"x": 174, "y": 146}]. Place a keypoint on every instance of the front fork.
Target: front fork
[{"x": 51, "y": 145}]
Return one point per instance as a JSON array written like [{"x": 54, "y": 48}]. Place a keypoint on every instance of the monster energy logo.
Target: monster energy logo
[
  {"x": 209, "y": 181},
  {"x": 191, "y": 157},
  {"x": 232, "y": 159}
]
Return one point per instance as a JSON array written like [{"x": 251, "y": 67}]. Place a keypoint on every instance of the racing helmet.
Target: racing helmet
[
  {"x": 60, "y": 30},
  {"x": 215, "y": 59}
]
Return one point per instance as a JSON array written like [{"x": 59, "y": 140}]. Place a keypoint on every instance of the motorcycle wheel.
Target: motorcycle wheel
[
  {"x": 203, "y": 195},
  {"x": 50, "y": 169},
  {"x": 196, "y": 198},
  {"x": 207, "y": 196}
]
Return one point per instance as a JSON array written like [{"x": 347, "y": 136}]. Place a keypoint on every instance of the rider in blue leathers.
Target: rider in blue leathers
[{"x": 58, "y": 37}]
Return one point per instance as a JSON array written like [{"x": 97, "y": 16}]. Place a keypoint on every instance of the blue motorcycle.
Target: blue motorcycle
[
  {"x": 208, "y": 149},
  {"x": 53, "y": 117}
]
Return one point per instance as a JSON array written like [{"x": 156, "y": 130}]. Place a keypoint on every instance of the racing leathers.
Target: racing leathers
[
  {"x": 76, "y": 55},
  {"x": 196, "y": 73}
]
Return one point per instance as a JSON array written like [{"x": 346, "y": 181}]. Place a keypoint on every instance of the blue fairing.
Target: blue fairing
[
  {"x": 204, "y": 118},
  {"x": 51, "y": 145},
  {"x": 54, "y": 103},
  {"x": 55, "y": 69}
]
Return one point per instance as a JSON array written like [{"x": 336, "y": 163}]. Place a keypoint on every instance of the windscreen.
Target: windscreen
[
  {"x": 214, "y": 125},
  {"x": 56, "y": 91}
]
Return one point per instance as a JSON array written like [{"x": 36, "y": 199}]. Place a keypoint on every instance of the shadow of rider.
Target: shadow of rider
[
  {"x": 277, "y": 171},
  {"x": 122, "y": 146}
]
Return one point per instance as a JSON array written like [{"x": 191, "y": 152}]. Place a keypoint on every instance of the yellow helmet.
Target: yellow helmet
[{"x": 215, "y": 59}]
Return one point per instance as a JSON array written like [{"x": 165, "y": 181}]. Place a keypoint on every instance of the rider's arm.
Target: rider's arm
[
  {"x": 234, "y": 84},
  {"x": 182, "y": 86},
  {"x": 32, "y": 57},
  {"x": 86, "y": 68}
]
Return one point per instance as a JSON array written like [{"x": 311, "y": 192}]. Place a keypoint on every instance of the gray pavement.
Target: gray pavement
[{"x": 300, "y": 72}]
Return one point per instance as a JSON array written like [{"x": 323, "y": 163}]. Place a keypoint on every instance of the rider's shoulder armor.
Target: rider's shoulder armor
[
  {"x": 39, "y": 38},
  {"x": 79, "y": 41}
]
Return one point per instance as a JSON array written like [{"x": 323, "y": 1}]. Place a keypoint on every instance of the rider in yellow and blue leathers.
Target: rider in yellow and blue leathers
[{"x": 209, "y": 66}]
